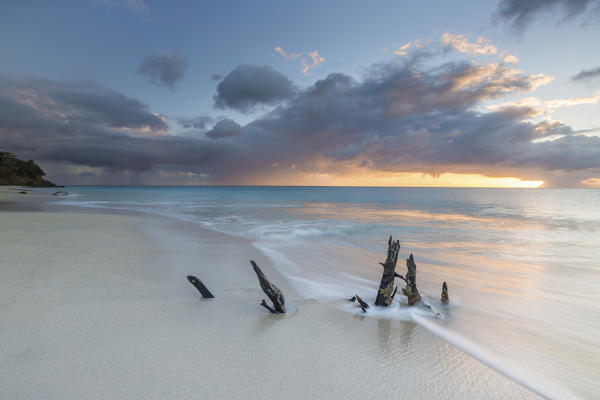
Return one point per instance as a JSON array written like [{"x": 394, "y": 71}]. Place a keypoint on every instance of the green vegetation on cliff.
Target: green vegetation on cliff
[{"x": 21, "y": 173}]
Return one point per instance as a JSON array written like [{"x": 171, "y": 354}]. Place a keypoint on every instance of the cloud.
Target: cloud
[
  {"x": 574, "y": 101},
  {"x": 316, "y": 59},
  {"x": 249, "y": 86},
  {"x": 216, "y": 77},
  {"x": 592, "y": 182},
  {"x": 309, "y": 63},
  {"x": 402, "y": 50},
  {"x": 509, "y": 58},
  {"x": 519, "y": 14},
  {"x": 540, "y": 107},
  {"x": 89, "y": 102},
  {"x": 421, "y": 115},
  {"x": 448, "y": 42},
  {"x": 458, "y": 42},
  {"x": 587, "y": 74},
  {"x": 163, "y": 69},
  {"x": 224, "y": 128},
  {"x": 280, "y": 50},
  {"x": 194, "y": 123},
  {"x": 421, "y": 120},
  {"x": 78, "y": 127}
]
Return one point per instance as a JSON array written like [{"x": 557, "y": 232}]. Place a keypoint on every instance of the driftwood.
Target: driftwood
[
  {"x": 411, "y": 291},
  {"x": 444, "y": 298},
  {"x": 360, "y": 301},
  {"x": 265, "y": 305},
  {"x": 386, "y": 291},
  {"x": 200, "y": 286},
  {"x": 271, "y": 291},
  {"x": 61, "y": 193}
]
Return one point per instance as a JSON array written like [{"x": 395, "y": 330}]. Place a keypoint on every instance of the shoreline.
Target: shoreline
[{"x": 158, "y": 326}]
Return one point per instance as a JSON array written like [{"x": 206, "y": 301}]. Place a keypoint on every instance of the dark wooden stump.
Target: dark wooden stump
[
  {"x": 271, "y": 291},
  {"x": 444, "y": 298},
  {"x": 200, "y": 286},
  {"x": 386, "y": 291},
  {"x": 411, "y": 291}
]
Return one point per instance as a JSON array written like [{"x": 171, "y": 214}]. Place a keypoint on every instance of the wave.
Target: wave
[
  {"x": 525, "y": 377},
  {"x": 508, "y": 253},
  {"x": 326, "y": 276}
]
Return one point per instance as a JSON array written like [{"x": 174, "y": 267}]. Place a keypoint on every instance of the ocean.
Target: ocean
[{"x": 522, "y": 265}]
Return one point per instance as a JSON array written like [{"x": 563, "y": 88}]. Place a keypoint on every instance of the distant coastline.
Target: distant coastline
[{"x": 16, "y": 172}]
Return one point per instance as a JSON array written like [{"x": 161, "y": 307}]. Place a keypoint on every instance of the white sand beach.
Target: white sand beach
[{"x": 97, "y": 306}]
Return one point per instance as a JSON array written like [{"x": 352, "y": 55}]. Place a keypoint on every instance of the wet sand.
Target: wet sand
[{"x": 96, "y": 306}]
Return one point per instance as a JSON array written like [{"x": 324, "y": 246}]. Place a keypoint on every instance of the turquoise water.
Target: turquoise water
[{"x": 522, "y": 265}]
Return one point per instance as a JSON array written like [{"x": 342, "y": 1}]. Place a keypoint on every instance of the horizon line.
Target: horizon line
[{"x": 331, "y": 186}]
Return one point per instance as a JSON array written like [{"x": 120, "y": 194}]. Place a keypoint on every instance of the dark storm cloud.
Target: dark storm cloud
[
  {"x": 248, "y": 86},
  {"x": 30, "y": 102},
  {"x": 390, "y": 101},
  {"x": 520, "y": 13},
  {"x": 587, "y": 74},
  {"x": 400, "y": 117},
  {"x": 224, "y": 128},
  {"x": 163, "y": 69},
  {"x": 403, "y": 119},
  {"x": 194, "y": 123},
  {"x": 89, "y": 125}
]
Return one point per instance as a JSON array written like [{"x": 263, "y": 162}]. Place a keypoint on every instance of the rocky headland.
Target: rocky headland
[{"x": 21, "y": 173}]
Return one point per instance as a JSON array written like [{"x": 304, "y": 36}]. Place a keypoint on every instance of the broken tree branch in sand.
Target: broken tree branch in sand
[
  {"x": 411, "y": 291},
  {"x": 360, "y": 301},
  {"x": 200, "y": 286},
  {"x": 271, "y": 291},
  {"x": 386, "y": 291}
]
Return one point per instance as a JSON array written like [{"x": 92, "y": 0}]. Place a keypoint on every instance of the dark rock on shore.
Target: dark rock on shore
[{"x": 21, "y": 173}]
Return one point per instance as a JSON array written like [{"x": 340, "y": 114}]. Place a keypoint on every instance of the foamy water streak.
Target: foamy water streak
[{"x": 522, "y": 265}]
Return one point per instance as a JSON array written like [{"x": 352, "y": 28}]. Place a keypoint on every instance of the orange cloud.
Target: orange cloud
[
  {"x": 280, "y": 50},
  {"x": 592, "y": 182},
  {"x": 540, "y": 107},
  {"x": 402, "y": 50},
  {"x": 510, "y": 59},
  {"x": 316, "y": 60},
  {"x": 482, "y": 46}
]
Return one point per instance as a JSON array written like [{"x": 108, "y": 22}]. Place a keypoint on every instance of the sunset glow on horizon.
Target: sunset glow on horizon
[
  {"x": 466, "y": 97},
  {"x": 380, "y": 179},
  {"x": 415, "y": 185}
]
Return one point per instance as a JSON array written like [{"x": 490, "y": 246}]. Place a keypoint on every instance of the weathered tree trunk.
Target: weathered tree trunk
[
  {"x": 271, "y": 291},
  {"x": 386, "y": 292},
  {"x": 200, "y": 286},
  {"x": 444, "y": 298},
  {"x": 410, "y": 291},
  {"x": 360, "y": 301}
]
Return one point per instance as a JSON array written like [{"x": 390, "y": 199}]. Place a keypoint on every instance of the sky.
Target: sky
[{"x": 499, "y": 93}]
